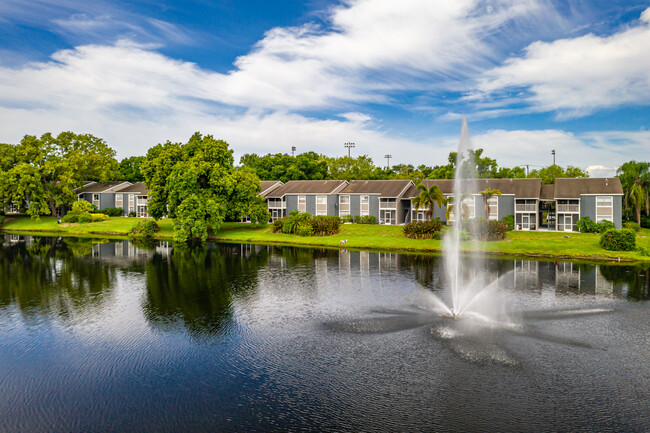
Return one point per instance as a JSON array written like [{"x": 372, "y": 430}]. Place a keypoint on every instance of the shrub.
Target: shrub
[
  {"x": 70, "y": 217},
  {"x": 84, "y": 217},
  {"x": 347, "y": 218},
  {"x": 304, "y": 230},
  {"x": 132, "y": 213},
  {"x": 422, "y": 229},
  {"x": 632, "y": 226},
  {"x": 509, "y": 220},
  {"x": 82, "y": 206},
  {"x": 484, "y": 230},
  {"x": 77, "y": 217},
  {"x": 645, "y": 222},
  {"x": 276, "y": 226},
  {"x": 112, "y": 211},
  {"x": 144, "y": 230},
  {"x": 586, "y": 225},
  {"x": 295, "y": 219},
  {"x": 618, "y": 240},
  {"x": 366, "y": 219},
  {"x": 325, "y": 225},
  {"x": 605, "y": 225},
  {"x": 98, "y": 217}
]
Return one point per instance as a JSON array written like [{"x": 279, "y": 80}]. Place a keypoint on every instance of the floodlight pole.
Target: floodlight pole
[
  {"x": 388, "y": 157},
  {"x": 293, "y": 150},
  {"x": 553, "y": 153},
  {"x": 348, "y": 145}
]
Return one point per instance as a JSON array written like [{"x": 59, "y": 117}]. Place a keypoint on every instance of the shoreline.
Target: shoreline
[{"x": 530, "y": 245}]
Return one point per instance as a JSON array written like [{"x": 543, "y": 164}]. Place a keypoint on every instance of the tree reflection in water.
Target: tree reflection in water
[
  {"x": 194, "y": 286},
  {"x": 49, "y": 276}
]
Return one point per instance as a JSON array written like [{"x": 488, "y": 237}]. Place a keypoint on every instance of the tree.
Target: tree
[
  {"x": 349, "y": 168},
  {"x": 44, "y": 172},
  {"x": 637, "y": 197},
  {"x": 197, "y": 185},
  {"x": 283, "y": 167},
  {"x": 635, "y": 180},
  {"x": 487, "y": 194},
  {"x": 550, "y": 173},
  {"x": 428, "y": 198},
  {"x": 130, "y": 169}
]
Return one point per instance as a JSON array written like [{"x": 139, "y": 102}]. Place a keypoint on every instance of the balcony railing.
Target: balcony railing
[
  {"x": 277, "y": 205},
  {"x": 526, "y": 208},
  {"x": 568, "y": 208}
]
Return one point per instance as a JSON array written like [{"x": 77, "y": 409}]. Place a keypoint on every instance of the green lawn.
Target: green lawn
[{"x": 359, "y": 236}]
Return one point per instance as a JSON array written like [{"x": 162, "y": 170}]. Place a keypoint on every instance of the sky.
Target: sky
[{"x": 393, "y": 77}]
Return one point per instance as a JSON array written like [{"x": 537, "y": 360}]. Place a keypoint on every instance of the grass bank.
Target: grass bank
[{"x": 583, "y": 246}]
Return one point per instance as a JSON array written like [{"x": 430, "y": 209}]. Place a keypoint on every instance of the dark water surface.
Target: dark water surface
[{"x": 111, "y": 337}]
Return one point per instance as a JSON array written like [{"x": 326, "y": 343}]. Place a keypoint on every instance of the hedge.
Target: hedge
[{"x": 618, "y": 240}]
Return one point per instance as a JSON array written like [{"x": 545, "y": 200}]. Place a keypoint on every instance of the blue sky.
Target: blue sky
[{"x": 393, "y": 77}]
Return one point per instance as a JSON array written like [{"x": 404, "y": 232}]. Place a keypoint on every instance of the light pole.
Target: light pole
[
  {"x": 388, "y": 157},
  {"x": 349, "y": 146},
  {"x": 553, "y": 153},
  {"x": 293, "y": 150}
]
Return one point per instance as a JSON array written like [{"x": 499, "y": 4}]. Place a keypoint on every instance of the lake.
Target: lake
[{"x": 110, "y": 336}]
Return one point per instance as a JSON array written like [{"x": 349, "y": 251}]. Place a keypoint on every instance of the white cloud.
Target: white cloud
[{"x": 577, "y": 76}]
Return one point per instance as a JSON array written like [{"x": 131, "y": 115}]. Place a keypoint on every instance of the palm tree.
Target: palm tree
[
  {"x": 428, "y": 198},
  {"x": 637, "y": 196},
  {"x": 487, "y": 194},
  {"x": 464, "y": 209}
]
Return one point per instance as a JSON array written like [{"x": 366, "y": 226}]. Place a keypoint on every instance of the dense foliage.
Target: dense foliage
[
  {"x": 112, "y": 211},
  {"x": 484, "y": 230},
  {"x": 509, "y": 220},
  {"x": 40, "y": 174},
  {"x": 130, "y": 169},
  {"x": 632, "y": 226},
  {"x": 428, "y": 199},
  {"x": 283, "y": 167},
  {"x": 144, "y": 230},
  {"x": 635, "y": 180},
  {"x": 586, "y": 225},
  {"x": 303, "y": 224},
  {"x": 197, "y": 185},
  {"x": 423, "y": 229},
  {"x": 618, "y": 240}
]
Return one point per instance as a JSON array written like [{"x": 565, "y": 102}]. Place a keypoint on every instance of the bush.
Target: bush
[
  {"x": 84, "y": 217},
  {"x": 484, "y": 230},
  {"x": 98, "y": 217},
  {"x": 325, "y": 225},
  {"x": 77, "y": 217},
  {"x": 304, "y": 230},
  {"x": 112, "y": 211},
  {"x": 132, "y": 213},
  {"x": 144, "y": 230},
  {"x": 82, "y": 206},
  {"x": 70, "y": 217},
  {"x": 645, "y": 222},
  {"x": 618, "y": 240},
  {"x": 347, "y": 218},
  {"x": 366, "y": 219},
  {"x": 423, "y": 229},
  {"x": 276, "y": 226},
  {"x": 605, "y": 225},
  {"x": 294, "y": 220},
  {"x": 632, "y": 226},
  {"x": 586, "y": 225},
  {"x": 509, "y": 220}
]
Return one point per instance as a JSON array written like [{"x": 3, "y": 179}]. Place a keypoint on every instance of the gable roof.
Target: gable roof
[
  {"x": 138, "y": 187},
  {"x": 99, "y": 187},
  {"x": 524, "y": 188},
  {"x": 385, "y": 188},
  {"x": 308, "y": 187},
  {"x": 573, "y": 188},
  {"x": 548, "y": 192},
  {"x": 268, "y": 185}
]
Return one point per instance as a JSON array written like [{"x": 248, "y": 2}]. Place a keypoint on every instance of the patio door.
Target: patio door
[
  {"x": 525, "y": 222},
  {"x": 387, "y": 217},
  {"x": 568, "y": 223}
]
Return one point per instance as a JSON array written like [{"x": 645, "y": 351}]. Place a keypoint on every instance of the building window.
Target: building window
[
  {"x": 131, "y": 203},
  {"x": 387, "y": 203},
  {"x": 142, "y": 206},
  {"x": 80, "y": 197},
  {"x": 96, "y": 200},
  {"x": 321, "y": 205},
  {"x": 470, "y": 205},
  {"x": 365, "y": 205},
  {"x": 419, "y": 215},
  {"x": 302, "y": 203},
  {"x": 344, "y": 205},
  {"x": 118, "y": 200},
  {"x": 493, "y": 203},
  {"x": 604, "y": 208}
]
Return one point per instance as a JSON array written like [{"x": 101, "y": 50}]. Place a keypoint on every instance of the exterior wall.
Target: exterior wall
[
  {"x": 479, "y": 208},
  {"x": 588, "y": 206},
  {"x": 292, "y": 203},
  {"x": 373, "y": 202},
  {"x": 355, "y": 205},
  {"x": 310, "y": 202},
  {"x": 618, "y": 211},
  {"x": 440, "y": 212},
  {"x": 506, "y": 206},
  {"x": 400, "y": 212},
  {"x": 406, "y": 211},
  {"x": 333, "y": 205},
  {"x": 106, "y": 200}
]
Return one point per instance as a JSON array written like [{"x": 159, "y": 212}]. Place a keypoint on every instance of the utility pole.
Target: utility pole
[
  {"x": 388, "y": 157},
  {"x": 527, "y": 171},
  {"x": 349, "y": 146},
  {"x": 553, "y": 153},
  {"x": 293, "y": 150}
]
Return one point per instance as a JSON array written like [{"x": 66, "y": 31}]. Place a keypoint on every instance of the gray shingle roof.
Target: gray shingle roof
[
  {"x": 138, "y": 187},
  {"x": 98, "y": 187},
  {"x": 385, "y": 188},
  {"x": 572, "y": 188},
  {"x": 307, "y": 187},
  {"x": 524, "y": 188},
  {"x": 268, "y": 185}
]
